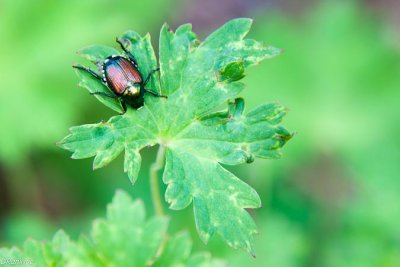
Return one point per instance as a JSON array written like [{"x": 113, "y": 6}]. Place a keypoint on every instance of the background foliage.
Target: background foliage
[{"x": 331, "y": 201}]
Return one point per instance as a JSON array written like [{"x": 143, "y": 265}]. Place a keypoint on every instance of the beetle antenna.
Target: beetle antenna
[
  {"x": 122, "y": 45},
  {"x": 131, "y": 57}
]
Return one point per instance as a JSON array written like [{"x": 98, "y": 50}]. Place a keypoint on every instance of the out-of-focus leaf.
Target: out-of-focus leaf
[{"x": 124, "y": 238}]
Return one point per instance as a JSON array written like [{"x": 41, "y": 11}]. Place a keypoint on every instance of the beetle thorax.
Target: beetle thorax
[{"x": 132, "y": 91}]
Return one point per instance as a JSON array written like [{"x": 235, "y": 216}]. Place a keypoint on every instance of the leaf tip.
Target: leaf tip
[
  {"x": 245, "y": 21},
  {"x": 250, "y": 249},
  {"x": 172, "y": 204},
  {"x": 165, "y": 27},
  {"x": 204, "y": 236},
  {"x": 147, "y": 36},
  {"x": 60, "y": 143},
  {"x": 249, "y": 158},
  {"x": 132, "y": 178},
  {"x": 119, "y": 193},
  {"x": 253, "y": 254}
]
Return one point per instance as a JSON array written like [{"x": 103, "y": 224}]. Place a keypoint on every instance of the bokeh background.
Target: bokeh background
[{"x": 333, "y": 200}]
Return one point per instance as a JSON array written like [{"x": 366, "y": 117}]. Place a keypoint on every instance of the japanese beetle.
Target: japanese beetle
[{"x": 121, "y": 75}]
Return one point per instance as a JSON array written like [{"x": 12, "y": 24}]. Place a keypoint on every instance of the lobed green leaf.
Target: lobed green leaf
[
  {"x": 197, "y": 78},
  {"x": 124, "y": 238}
]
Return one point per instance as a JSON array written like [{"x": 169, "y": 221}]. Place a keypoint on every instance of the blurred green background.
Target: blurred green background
[{"x": 332, "y": 200}]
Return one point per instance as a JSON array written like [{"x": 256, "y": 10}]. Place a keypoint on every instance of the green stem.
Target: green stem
[{"x": 154, "y": 184}]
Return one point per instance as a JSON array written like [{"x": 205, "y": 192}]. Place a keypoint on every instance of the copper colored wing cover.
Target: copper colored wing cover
[
  {"x": 130, "y": 70},
  {"x": 119, "y": 73}
]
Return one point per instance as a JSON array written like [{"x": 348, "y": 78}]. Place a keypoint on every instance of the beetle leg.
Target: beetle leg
[
  {"x": 155, "y": 94},
  {"x": 124, "y": 106},
  {"x": 147, "y": 80},
  {"x": 149, "y": 76},
  {"x": 131, "y": 57},
  {"x": 94, "y": 74},
  {"x": 105, "y": 94}
]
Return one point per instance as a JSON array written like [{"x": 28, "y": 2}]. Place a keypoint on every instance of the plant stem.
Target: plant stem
[{"x": 154, "y": 183}]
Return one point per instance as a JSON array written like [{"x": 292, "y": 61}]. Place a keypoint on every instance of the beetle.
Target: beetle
[{"x": 121, "y": 75}]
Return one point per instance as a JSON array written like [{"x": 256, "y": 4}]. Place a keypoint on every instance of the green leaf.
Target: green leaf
[
  {"x": 38, "y": 253},
  {"x": 47, "y": 254},
  {"x": 176, "y": 251},
  {"x": 124, "y": 238},
  {"x": 197, "y": 78}
]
